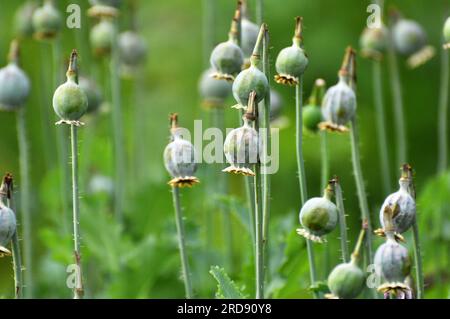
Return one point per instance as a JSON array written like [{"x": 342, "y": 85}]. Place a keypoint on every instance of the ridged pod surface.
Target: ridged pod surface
[
  {"x": 392, "y": 261},
  {"x": 339, "y": 103}
]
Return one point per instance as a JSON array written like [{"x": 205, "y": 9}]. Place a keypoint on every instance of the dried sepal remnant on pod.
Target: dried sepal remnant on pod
[{"x": 179, "y": 157}]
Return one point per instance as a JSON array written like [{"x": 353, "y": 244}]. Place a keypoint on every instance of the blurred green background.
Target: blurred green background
[{"x": 139, "y": 259}]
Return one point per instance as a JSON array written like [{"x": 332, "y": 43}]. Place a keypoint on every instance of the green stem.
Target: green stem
[
  {"x": 119, "y": 154},
  {"x": 381, "y": 128},
  {"x": 78, "y": 289},
  {"x": 209, "y": 15},
  {"x": 442, "y": 113},
  {"x": 302, "y": 174},
  {"x": 359, "y": 180},
  {"x": 259, "y": 12},
  {"x": 259, "y": 250},
  {"x": 325, "y": 161},
  {"x": 418, "y": 261},
  {"x": 250, "y": 194},
  {"x": 25, "y": 206},
  {"x": 342, "y": 222},
  {"x": 182, "y": 243},
  {"x": 399, "y": 118}
]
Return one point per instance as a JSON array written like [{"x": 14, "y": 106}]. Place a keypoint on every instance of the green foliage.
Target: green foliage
[{"x": 226, "y": 288}]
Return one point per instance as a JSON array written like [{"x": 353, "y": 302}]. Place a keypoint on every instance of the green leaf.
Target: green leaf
[{"x": 226, "y": 288}]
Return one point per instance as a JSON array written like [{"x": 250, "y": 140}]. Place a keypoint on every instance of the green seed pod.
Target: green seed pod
[
  {"x": 276, "y": 104},
  {"x": 69, "y": 100},
  {"x": 373, "y": 42},
  {"x": 446, "y": 32},
  {"x": 179, "y": 158},
  {"x": 392, "y": 261},
  {"x": 311, "y": 113},
  {"x": 14, "y": 83},
  {"x": 93, "y": 94},
  {"x": 251, "y": 79},
  {"x": 7, "y": 227},
  {"x": 47, "y": 21},
  {"x": 408, "y": 37},
  {"x": 132, "y": 48},
  {"x": 109, "y": 3},
  {"x": 292, "y": 61},
  {"x": 213, "y": 91},
  {"x": 102, "y": 37},
  {"x": 404, "y": 206},
  {"x": 249, "y": 34},
  {"x": 319, "y": 216},
  {"x": 339, "y": 104},
  {"x": 227, "y": 59},
  {"x": 23, "y": 19},
  {"x": 346, "y": 280}
]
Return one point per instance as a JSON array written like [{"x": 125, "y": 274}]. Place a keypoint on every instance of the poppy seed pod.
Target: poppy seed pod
[
  {"x": 227, "y": 60},
  {"x": 249, "y": 34},
  {"x": 93, "y": 94},
  {"x": 69, "y": 100},
  {"x": 311, "y": 113},
  {"x": 403, "y": 206},
  {"x": 179, "y": 158},
  {"x": 446, "y": 32},
  {"x": 392, "y": 261},
  {"x": 408, "y": 36},
  {"x": 339, "y": 105},
  {"x": 373, "y": 42},
  {"x": 23, "y": 19},
  {"x": 47, "y": 21},
  {"x": 7, "y": 228},
  {"x": 346, "y": 280},
  {"x": 292, "y": 61},
  {"x": 132, "y": 48},
  {"x": 318, "y": 216},
  {"x": 14, "y": 83},
  {"x": 102, "y": 37},
  {"x": 213, "y": 91},
  {"x": 251, "y": 79}
]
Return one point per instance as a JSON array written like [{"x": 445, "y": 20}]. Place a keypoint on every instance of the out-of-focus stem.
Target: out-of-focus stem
[{"x": 442, "y": 113}]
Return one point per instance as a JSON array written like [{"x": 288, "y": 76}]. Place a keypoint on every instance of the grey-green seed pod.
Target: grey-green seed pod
[
  {"x": 292, "y": 61},
  {"x": 312, "y": 113},
  {"x": 7, "y": 227},
  {"x": 23, "y": 19},
  {"x": 227, "y": 60},
  {"x": 446, "y": 32},
  {"x": 318, "y": 216},
  {"x": 93, "y": 94},
  {"x": 346, "y": 280},
  {"x": 69, "y": 100},
  {"x": 392, "y": 261},
  {"x": 102, "y": 37},
  {"x": 251, "y": 79},
  {"x": 339, "y": 104},
  {"x": 47, "y": 21},
  {"x": 249, "y": 34},
  {"x": 132, "y": 48},
  {"x": 213, "y": 91},
  {"x": 408, "y": 36},
  {"x": 404, "y": 207},
  {"x": 373, "y": 42},
  {"x": 14, "y": 83},
  {"x": 179, "y": 158}
]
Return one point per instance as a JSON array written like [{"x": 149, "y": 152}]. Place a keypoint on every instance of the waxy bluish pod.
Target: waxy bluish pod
[
  {"x": 292, "y": 61},
  {"x": 213, "y": 91},
  {"x": 14, "y": 83},
  {"x": 249, "y": 34},
  {"x": 93, "y": 94},
  {"x": 373, "y": 42},
  {"x": 179, "y": 157},
  {"x": 47, "y": 21},
  {"x": 251, "y": 79},
  {"x": 7, "y": 228},
  {"x": 132, "y": 48},
  {"x": 23, "y": 19},
  {"x": 102, "y": 37},
  {"x": 318, "y": 216},
  {"x": 69, "y": 100},
  {"x": 392, "y": 261}
]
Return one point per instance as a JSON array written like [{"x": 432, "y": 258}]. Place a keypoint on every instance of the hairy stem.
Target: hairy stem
[
  {"x": 381, "y": 128},
  {"x": 302, "y": 174},
  {"x": 442, "y": 113},
  {"x": 259, "y": 250},
  {"x": 259, "y": 12},
  {"x": 342, "y": 222},
  {"x": 418, "y": 261},
  {"x": 182, "y": 243}
]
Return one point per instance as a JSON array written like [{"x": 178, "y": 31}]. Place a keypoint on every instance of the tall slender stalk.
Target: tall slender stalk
[
  {"x": 182, "y": 242},
  {"x": 342, "y": 222},
  {"x": 25, "y": 206},
  {"x": 259, "y": 11},
  {"x": 258, "y": 234},
  {"x": 397, "y": 99},
  {"x": 325, "y": 161},
  {"x": 7, "y": 190},
  {"x": 119, "y": 154},
  {"x": 302, "y": 173},
  {"x": 78, "y": 289},
  {"x": 381, "y": 128},
  {"x": 442, "y": 113}
]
